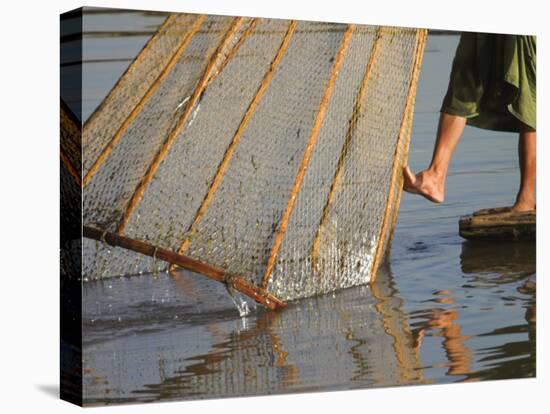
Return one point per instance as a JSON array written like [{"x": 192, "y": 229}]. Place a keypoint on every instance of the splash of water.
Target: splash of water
[{"x": 240, "y": 301}]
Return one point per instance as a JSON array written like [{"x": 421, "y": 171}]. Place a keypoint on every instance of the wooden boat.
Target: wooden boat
[{"x": 499, "y": 223}]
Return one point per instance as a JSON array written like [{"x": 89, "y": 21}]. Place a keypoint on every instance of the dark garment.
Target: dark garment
[{"x": 493, "y": 81}]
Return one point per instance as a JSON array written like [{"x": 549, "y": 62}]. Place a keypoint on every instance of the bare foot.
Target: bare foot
[
  {"x": 522, "y": 206},
  {"x": 426, "y": 183}
]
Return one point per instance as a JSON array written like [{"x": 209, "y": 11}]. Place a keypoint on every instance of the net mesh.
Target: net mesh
[
  {"x": 267, "y": 148},
  {"x": 133, "y": 85}
]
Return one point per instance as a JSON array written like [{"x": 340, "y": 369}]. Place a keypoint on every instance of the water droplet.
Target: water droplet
[{"x": 239, "y": 301}]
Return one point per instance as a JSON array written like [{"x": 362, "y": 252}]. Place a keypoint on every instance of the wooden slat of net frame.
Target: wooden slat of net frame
[
  {"x": 235, "y": 48},
  {"x": 395, "y": 211},
  {"x": 186, "y": 40},
  {"x": 347, "y": 144},
  {"x": 215, "y": 60},
  {"x": 259, "y": 295},
  {"x": 404, "y": 134},
  {"x": 307, "y": 153},
  {"x": 236, "y": 138},
  {"x": 407, "y": 141}
]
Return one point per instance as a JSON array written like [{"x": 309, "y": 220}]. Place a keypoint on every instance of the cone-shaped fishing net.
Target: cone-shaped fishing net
[{"x": 263, "y": 153}]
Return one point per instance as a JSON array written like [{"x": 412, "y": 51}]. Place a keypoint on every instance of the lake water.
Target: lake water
[{"x": 442, "y": 310}]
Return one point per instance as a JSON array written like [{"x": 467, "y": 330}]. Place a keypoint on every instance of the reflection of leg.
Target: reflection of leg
[
  {"x": 430, "y": 183},
  {"x": 527, "y": 150},
  {"x": 460, "y": 356}
]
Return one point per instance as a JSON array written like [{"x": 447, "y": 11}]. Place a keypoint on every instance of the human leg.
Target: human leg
[
  {"x": 430, "y": 183},
  {"x": 527, "y": 151}
]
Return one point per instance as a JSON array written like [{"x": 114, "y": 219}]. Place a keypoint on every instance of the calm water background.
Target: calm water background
[{"x": 442, "y": 310}]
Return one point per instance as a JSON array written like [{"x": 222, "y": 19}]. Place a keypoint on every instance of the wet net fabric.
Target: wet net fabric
[{"x": 267, "y": 148}]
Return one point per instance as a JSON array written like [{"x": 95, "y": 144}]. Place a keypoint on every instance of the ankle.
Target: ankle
[
  {"x": 437, "y": 177},
  {"x": 437, "y": 172},
  {"x": 525, "y": 200}
]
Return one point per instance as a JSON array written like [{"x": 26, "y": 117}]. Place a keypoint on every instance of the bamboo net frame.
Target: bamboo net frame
[
  {"x": 346, "y": 147},
  {"x": 232, "y": 41},
  {"x": 219, "y": 275},
  {"x": 231, "y": 148},
  {"x": 307, "y": 153},
  {"x": 396, "y": 182},
  {"x": 217, "y": 58}
]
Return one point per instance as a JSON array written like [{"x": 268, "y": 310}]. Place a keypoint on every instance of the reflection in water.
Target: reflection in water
[
  {"x": 396, "y": 324},
  {"x": 242, "y": 361},
  {"x": 491, "y": 264},
  {"x": 353, "y": 339},
  {"x": 493, "y": 267},
  {"x": 445, "y": 324},
  {"x": 506, "y": 262},
  {"x": 507, "y": 259}
]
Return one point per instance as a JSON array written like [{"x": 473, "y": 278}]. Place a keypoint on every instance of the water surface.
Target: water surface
[{"x": 442, "y": 310}]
